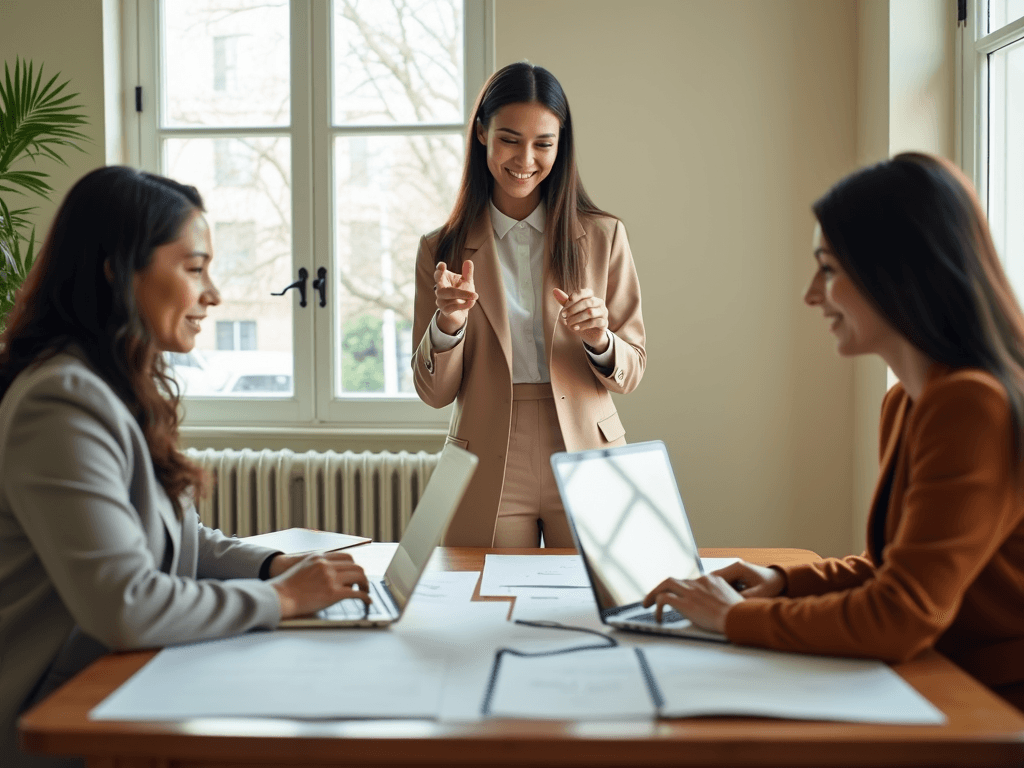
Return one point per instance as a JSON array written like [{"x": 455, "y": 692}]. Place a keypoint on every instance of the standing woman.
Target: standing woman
[
  {"x": 906, "y": 269},
  {"x": 527, "y": 313},
  {"x": 100, "y": 546}
]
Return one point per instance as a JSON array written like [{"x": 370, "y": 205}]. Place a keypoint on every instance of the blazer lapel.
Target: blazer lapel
[
  {"x": 548, "y": 301},
  {"x": 488, "y": 282}
]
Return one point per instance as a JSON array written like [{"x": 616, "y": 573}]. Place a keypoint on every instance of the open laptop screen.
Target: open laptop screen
[{"x": 628, "y": 519}]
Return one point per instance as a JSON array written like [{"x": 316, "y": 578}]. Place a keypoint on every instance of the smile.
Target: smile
[
  {"x": 193, "y": 323},
  {"x": 520, "y": 176}
]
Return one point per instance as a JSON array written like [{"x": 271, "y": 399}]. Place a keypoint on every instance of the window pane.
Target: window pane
[
  {"x": 217, "y": 54},
  {"x": 1006, "y": 158},
  {"x": 389, "y": 191},
  {"x": 397, "y": 61},
  {"x": 249, "y": 350},
  {"x": 1002, "y": 12}
]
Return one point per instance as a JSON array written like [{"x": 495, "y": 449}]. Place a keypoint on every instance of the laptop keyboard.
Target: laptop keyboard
[
  {"x": 355, "y": 609},
  {"x": 667, "y": 617}
]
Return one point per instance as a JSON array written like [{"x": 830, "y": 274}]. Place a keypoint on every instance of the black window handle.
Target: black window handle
[
  {"x": 320, "y": 285},
  {"x": 300, "y": 284}
]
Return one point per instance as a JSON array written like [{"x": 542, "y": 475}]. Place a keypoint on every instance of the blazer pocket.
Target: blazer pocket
[
  {"x": 611, "y": 428},
  {"x": 463, "y": 444}
]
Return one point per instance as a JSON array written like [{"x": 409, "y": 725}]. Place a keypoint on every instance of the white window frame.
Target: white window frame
[
  {"x": 312, "y": 408},
  {"x": 972, "y": 51}
]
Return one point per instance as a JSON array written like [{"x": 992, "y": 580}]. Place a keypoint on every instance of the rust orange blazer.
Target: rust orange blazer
[
  {"x": 477, "y": 373},
  {"x": 947, "y": 567}
]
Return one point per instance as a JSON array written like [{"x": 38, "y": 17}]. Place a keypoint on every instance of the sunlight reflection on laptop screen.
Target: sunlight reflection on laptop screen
[{"x": 629, "y": 520}]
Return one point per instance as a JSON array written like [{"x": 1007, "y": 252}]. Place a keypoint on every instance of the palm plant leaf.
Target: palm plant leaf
[{"x": 36, "y": 119}]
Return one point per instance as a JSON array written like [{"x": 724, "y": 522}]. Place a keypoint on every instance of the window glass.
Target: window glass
[
  {"x": 217, "y": 55},
  {"x": 397, "y": 62},
  {"x": 406, "y": 188},
  {"x": 1002, "y": 12},
  {"x": 1006, "y": 158}
]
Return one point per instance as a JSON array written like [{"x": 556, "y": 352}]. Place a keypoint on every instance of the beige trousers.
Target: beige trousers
[{"x": 530, "y": 505}]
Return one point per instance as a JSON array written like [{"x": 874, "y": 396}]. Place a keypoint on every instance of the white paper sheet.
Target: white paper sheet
[
  {"x": 293, "y": 540},
  {"x": 712, "y": 564},
  {"x": 573, "y": 607},
  {"x": 583, "y": 685},
  {"x": 471, "y": 637},
  {"x": 502, "y": 572},
  {"x": 286, "y": 673},
  {"x": 705, "y": 679},
  {"x": 443, "y": 590}
]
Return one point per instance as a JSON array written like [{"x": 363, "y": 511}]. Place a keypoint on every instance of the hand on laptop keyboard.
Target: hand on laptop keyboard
[
  {"x": 313, "y": 581},
  {"x": 705, "y": 601}
]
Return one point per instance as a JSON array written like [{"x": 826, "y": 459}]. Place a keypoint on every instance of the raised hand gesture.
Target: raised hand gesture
[
  {"x": 586, "y": 315},
  {"x": 455, "y": 295}
]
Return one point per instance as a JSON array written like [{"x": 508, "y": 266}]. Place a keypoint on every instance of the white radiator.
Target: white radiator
[{"x": 366, "y": 494}]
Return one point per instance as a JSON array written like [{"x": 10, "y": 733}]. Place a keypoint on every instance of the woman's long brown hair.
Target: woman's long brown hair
[
  {"x": 562, "y": 190},
  {"x": 80, "y": 294},
  {"x": 912, "y": 235}
]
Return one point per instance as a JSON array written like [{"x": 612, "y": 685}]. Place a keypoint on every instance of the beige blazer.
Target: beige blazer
[
  {"x": 477, "y": 373},
  {"x": 92, "y": 556}
]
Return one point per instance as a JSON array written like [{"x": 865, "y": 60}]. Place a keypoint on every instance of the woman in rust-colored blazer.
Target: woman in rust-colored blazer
[
  {"x": 522, "y": 213},
  {"x": 907, "y": 270}
]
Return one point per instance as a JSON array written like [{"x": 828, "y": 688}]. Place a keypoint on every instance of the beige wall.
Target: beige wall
[{"x": 709, "y": 128}]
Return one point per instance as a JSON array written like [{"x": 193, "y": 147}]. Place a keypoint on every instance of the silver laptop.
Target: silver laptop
[
  {"x": 631, "y": 529},
  {"x": 390, "y": 593}
]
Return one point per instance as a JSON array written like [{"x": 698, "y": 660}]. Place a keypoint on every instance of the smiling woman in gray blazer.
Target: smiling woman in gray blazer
[{"x": 100, "y": 546}]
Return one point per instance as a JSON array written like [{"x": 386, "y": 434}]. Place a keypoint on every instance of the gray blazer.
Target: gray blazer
[{"x": 92, "y": 556}]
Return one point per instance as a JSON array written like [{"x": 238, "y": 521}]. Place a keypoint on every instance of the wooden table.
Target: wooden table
[{"x": 982, "y": 729}]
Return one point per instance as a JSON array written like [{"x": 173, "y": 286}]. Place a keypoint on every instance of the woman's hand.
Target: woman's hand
[
  {"x": 455, "y": 296},
  {"x": 704, "y": 601},
  {"x": 753, "y": 580},
  {"x": 306, "y": 583},
  {"x": 586, "y": 315}
]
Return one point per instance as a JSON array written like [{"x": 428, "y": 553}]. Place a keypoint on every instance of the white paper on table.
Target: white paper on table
[
  {"x": 443, "y": 592},
  {"x": 293, "y": 540},
  {"x": 472, "y": 637},
  {"x": 606, "y": 683},
  {"x": 712, "y": 564},
  {"x": 287, "y": 673},
  {"x": 504, "y": 571},
  {"x": 705, "y": 679},
  {"x": 575, "y": 607}
]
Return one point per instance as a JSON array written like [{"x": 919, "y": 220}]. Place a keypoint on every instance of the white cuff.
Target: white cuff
[
  {"x": 441, "y": 341},
  {"x": 606, "y": 358}
]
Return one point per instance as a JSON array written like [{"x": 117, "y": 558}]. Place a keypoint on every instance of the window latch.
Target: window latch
[
  {"x": 301, "y": 285},
  {"x": 320, "y": 285}
]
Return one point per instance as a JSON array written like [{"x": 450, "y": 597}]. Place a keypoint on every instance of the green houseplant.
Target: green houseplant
[{"x": 37, "y": 121}]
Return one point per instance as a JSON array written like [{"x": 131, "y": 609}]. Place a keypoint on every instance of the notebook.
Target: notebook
[
  {"x": 390, "y": 593},
  {"x": 631, "y": 530}
]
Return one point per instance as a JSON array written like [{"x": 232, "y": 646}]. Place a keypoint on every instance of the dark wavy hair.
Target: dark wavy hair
[
  {"x": 913, "y": 237},
  {"x": 80, "y": 293},
  {"x": 562, "y": 190}
]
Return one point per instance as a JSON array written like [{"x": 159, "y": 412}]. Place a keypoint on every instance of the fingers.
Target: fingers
[
  {"x": 667, "y": 585},
  {"x": 467, "y": 272},
  {"x": 452, "y": 300},
  {"x": 560, "y": 296},
  {"x": 583, "y": 311}
]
